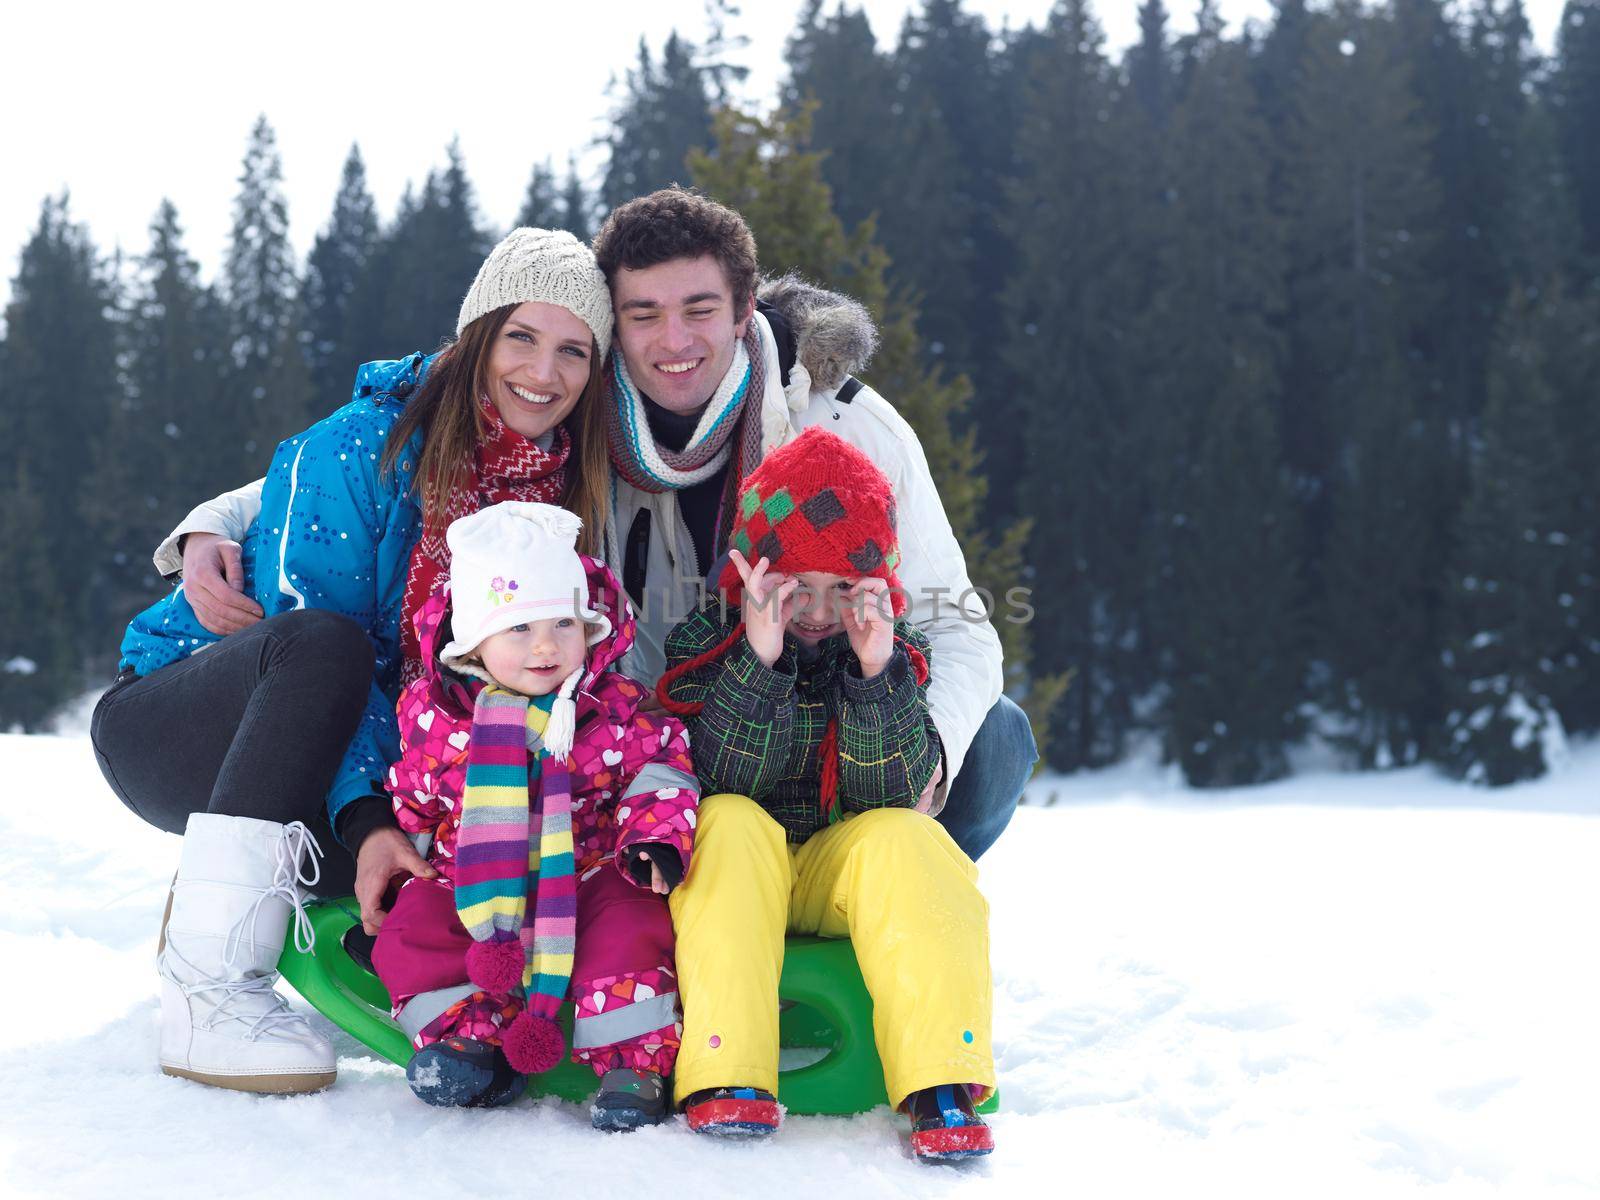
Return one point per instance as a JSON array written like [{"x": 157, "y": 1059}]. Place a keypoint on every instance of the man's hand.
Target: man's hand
[
  {"x": 868, "y": 620},
  {"x": 768, "y": 605},
  {"x": 385, "y": 855},
  {"x": 213, "y": 579}
]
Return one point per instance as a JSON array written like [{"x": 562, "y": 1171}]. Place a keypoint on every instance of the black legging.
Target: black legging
[{"x": 253, "y": 726}]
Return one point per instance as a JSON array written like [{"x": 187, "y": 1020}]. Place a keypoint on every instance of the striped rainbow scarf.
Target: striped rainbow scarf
[{"x": 499, "y": 864}]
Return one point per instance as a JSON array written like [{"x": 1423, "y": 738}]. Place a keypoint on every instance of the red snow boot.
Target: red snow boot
[
  {"x": 733, "y": 1112},
  {"x": 944, "y": 1125}
]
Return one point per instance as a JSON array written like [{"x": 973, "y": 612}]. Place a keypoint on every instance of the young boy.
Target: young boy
[{"x": 807, "y": 697}]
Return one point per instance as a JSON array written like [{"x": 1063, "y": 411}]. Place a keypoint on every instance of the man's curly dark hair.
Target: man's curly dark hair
[{"x": 679, "y": 223}]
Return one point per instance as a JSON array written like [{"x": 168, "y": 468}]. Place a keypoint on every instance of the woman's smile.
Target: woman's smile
[{"x": 533, "y": 397}]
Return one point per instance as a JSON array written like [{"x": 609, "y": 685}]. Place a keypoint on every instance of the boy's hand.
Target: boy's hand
[
  {"x": 768, "y": 605},
  {"x": 658, "y": 883},
  {"x": 869, "y": 624}
]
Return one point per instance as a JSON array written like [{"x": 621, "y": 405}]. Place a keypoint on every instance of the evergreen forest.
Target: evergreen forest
[{"x": 1270, "y": 362}]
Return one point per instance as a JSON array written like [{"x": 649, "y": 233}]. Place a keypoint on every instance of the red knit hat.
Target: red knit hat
[{"x": 817, "y": 504}]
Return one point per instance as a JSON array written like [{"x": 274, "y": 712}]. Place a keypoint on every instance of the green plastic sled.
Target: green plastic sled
[{"x": 830, "y": 1010}]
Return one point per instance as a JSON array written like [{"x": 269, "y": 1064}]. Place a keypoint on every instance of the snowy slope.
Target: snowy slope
[{"x": 1338, "y": 986}]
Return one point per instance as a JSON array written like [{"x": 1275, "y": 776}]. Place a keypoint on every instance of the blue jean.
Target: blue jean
[{"x": 992, "y": 777}]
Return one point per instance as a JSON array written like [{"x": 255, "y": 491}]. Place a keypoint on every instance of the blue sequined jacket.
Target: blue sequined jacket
[{"x": 331, "y": 535}]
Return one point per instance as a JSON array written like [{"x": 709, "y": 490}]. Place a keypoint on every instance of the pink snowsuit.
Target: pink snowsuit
[{"x": 632, "y": 784}]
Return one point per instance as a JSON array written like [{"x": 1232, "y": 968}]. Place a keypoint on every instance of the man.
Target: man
[{"x": 703, "y": 382}]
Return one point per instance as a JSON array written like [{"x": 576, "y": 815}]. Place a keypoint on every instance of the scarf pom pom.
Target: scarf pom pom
[
  {"x": 496, "y": 966},
  {"x": 533, "y": 1044}
]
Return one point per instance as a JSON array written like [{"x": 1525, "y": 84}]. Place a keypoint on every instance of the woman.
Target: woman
[{"x": 277, "y": 739}]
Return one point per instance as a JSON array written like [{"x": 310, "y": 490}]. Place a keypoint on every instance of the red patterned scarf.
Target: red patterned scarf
[{"x": 506, "y": 466}]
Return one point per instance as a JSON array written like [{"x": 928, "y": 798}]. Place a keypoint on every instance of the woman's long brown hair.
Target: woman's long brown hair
[{"x": 445, "y": 408}]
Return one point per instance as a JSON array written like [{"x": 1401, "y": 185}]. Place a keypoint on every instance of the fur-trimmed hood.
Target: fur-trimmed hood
[{"x": 834, "y": 335}]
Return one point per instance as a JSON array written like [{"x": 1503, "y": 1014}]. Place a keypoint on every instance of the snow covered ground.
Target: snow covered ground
[{"x": 1352, "y": 986}]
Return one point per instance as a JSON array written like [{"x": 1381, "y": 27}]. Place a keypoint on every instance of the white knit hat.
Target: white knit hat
[
  {"x": 514, "y": 563},
  {"x": 548, "y": 265}
]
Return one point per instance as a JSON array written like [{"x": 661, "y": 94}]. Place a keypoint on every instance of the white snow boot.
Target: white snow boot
[{"x": 221, "y": 1021}]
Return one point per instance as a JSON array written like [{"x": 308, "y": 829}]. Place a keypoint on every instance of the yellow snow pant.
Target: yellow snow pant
[{"x": 891, "y": 881}]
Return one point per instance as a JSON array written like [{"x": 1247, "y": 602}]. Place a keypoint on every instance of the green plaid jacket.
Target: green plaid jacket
[{"x": 761, "y": 729}]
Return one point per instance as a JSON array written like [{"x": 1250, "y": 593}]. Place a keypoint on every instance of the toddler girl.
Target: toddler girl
[{"x": 557, "y": 816}]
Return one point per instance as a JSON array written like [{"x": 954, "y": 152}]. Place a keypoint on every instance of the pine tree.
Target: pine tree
[
  {"x": 372, "y": 332},
  {"x": 40, "y": 600},
  {"x": 59, "y": 354},
  {"x": 834, "y": 64},
  {"x": 1068, "y": 311},
  {"x": 1575, "y": 92},
  {"x": 1544, "y": 238},
  {"x": 1221, "y": 531},
  {"x": 1235, "y": 669},
  {"x": 414, "y": 308},
  {"x": 462, "y": 243},
  {"x": 333, "y": 273},
  {"x": 552, "y": 205},
  {"x": 766, "y": 170},
  {"x": 1280, "y": 61},
  {"x": 1362, "y": 204},
  {"x": 576, "y": 217},
  {"x": 1378, "y": 613},
  {"x": 663, "y": 114},
  {"x": 921, "y": 140},
  {"x": 1150, "y": 76},
  {"x": 269, "y": 392},
  {"x": 950, "y": 147},
  {"x": 164, "y": 445},
  {"x": 1448, "y": 101},
  {"x": 714, "y": 58},
  {"x": 258, "y": 276},
  {"x": 1514, "y": 614},
  {"x": 61, "y": 392},
  {"x": 1543, "y": 251},
  {"x": 1569, "y": 329},
  {"x": 1154, "y": 285},
  {"x": 424, "y": 264},
  {"x": 1361, "y": 386},
  {"x": 541, "y": 206}
]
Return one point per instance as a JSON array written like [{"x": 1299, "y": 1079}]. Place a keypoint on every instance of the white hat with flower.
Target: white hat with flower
[{"x": 514, "y": 563}]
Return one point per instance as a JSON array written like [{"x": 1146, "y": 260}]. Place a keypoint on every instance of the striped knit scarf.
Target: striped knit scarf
[
  {"x": 500, "y": 862},
  {"x": 730, "y": 428}
]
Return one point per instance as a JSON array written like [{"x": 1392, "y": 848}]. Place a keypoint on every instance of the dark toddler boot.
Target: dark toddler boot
[
  {"x": 463, "y": 1073},
  {"x": 629, "y": 1099}
]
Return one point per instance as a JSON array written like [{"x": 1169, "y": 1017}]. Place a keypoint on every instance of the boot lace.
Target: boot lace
[{"x": 289, "y": 878}]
